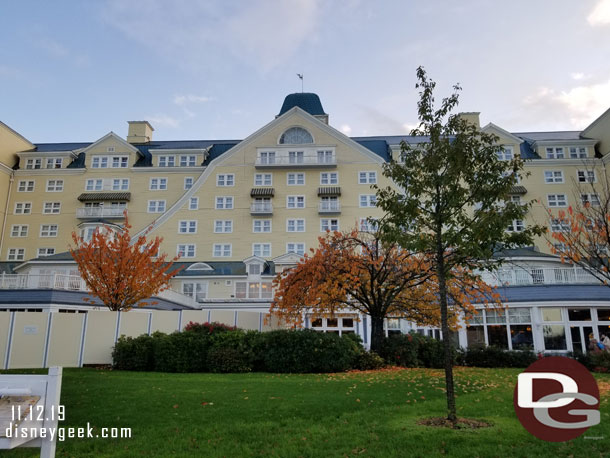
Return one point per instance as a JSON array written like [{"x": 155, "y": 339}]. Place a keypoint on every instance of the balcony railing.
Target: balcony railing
[
  {"x": 329, "y": 207},
  {"x": 72, "y": 283},
  {"x": 99, "y": 212},
  {"x": 296, "y": 161},
  {"x": 543, "y": 276},
  {"x": 261, "y": 208}
]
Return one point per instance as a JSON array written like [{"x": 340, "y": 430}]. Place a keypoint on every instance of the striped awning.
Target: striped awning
[
  {"x": 95, "y": 196},
  {"x": 262, "y": 192},
  {"x": 518, "y": 190},
  {"x": 329, "y": 191}
]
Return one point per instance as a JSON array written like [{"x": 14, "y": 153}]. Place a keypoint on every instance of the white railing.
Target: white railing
[
  {"x": 100, "y": 212},
  {"x": 261, "y": 207},
  {"x": 542, "y": 276},
  {"x": 329, "y": 207},
  {"x": 296, "y": 160},
  {"x": 52, "y": 281},
  {"x": 72, "y": 283}
]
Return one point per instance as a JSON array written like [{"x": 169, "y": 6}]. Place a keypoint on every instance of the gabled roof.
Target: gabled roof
[
  {"x": 497, "y": 129},
  {"x": 114, "y": 136}
]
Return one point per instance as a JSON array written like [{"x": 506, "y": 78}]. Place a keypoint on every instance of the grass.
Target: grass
[{"x": 259, "y": 414}]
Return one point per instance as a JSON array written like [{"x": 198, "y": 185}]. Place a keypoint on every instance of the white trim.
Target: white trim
[
  {"x": 493, "y": 127},
  {"x": 111, "y": 134}
]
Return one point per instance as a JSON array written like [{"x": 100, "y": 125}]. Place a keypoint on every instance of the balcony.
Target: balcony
[
  {"x": 296, "y": 162},
  {"x": 100, "y": 212},
  {"x": 329, "y": 207},
  {"x": 543, "y": 276},
  {"x": 261, "y": 208}
]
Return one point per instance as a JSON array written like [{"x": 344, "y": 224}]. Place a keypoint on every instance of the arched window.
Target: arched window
[{"x": 296, "y": 136}]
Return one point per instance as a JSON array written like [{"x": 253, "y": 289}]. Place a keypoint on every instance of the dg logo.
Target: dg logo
[{"x": 556, "y": 399}]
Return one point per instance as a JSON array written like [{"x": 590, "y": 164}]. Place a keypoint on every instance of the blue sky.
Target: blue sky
[{"x": 75, "y": 70}]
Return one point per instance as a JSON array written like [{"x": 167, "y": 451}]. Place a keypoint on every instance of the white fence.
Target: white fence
[{"x": 542, "y": 276}]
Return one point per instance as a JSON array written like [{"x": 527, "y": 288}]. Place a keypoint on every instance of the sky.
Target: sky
[{"x": 220, "y": 69}]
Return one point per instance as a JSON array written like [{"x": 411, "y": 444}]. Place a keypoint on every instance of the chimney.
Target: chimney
[
  {"x": 471, "y": 117},
  {"x": 139, "y": 132}
]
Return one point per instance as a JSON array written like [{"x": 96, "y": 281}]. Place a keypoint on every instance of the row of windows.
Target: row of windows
[
  {"x": 46, "y": 230},
  {"x": 52, "y": 186},
  {"x": 556, "y": 176},
  {"x": 49, "y": 163},
  {"x": 48, "y": 208},
  {"x": 559, "y": 152},
  {"x": 265, "y": 225},
  {"x": 183, "y": 161},
  {"x": 225, "y": 250},
  {"x": 18, "y": 254},
  {"x": 295, "y": 179},
  {"x": 198, "y": 290}
]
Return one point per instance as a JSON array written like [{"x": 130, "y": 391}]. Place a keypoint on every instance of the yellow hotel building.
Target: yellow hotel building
[{"x": 240, "y": 210}]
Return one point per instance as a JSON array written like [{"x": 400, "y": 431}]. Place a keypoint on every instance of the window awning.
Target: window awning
[
  {"x": 518, "y": 190},
  {"x": 262, "y": 192},
  {"x": 329, "y": 191},
  {"x": 94, "y": 196}
]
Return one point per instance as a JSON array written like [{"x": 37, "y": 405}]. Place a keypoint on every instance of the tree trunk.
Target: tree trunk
[
  {"x": 377, "y": 333},
  {"x": 447, "y": 344}
]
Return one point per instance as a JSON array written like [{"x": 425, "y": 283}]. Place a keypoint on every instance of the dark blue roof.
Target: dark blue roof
[
  {"x": 542, "y": 293},
  {"x": 48, "y": 147},
  {"x": 379, "y": 147},
  {"x": 307, "y": 101},
  {"x": 218, "y": 149}
]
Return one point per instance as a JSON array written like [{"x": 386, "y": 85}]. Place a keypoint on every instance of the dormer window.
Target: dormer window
[
  {"x": 254, "y": 269},
  {"x": 578, "y": 152},
  {"x": 506, "y": 153},
  {"x": 555, "y": 153},
  {"x": 296, "y": 136},
  {"x": 33, "y": 163}
]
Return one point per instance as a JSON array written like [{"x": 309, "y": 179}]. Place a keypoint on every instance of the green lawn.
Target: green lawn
[{"x": 352, "y": 414}]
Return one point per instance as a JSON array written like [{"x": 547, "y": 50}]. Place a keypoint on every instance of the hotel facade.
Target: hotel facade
[{"x": 239, "y": 211}]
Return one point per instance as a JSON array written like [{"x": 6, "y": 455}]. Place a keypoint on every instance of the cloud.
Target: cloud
[
  {"x": 261, "y": 33},
  {"x": 600, "y": 15},
  {"x": 580, "y": 105},
  {"x": 182, "y": 100},
  {"x": 346, "y": 129},
  {"x": 163, "y": 120},
  {"x": 59, "y": 51}
]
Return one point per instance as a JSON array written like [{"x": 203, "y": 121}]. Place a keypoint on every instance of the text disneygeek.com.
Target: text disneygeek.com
[{"x": 62, "y": 433}]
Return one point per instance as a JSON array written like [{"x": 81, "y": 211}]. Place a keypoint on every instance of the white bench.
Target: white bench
[{"x": 32, "y": 402}]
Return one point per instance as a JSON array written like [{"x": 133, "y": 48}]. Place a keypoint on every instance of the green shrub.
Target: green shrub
[
  {"x": 413, "y": 350},
  {"x": 230, "y": 352},
  {"x": 208, "y": 328},
  {"x": 483, "y": 356},
  {"x": 134, "y": 353},
  {"x": 368, "y": 360},
  {"x": 600, "y": 361},
  {"x": 181, "y": 352},
  {"x": 307, "y": 351}
]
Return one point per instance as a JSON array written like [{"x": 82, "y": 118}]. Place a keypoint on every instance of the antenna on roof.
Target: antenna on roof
[{"x": 300, "y": 75}]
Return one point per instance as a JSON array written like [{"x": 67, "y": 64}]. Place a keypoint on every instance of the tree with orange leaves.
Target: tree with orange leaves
[
  {"x": 581, "y": 235},
  {"x": 121, "y": 273},
  {"x": 358, "y": 271}
]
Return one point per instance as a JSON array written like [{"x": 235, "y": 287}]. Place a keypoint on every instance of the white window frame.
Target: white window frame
[
  {"x": 193, "y": 203},
  {"x": 49, "y": 231},
  {"x": 159, "y": 181},
  {"x": 557, "y": 200},
  {"x": 223, "y": 180},
  {"x": 123, "y": 184},
  {"x": 506, "y": 154},
  {"x": 514, "y": 226},
  {"x": 219, "y": 250},
  {"x": 19, "y": 230},
  {"x": 578, "y": 152},
  {"x": 292, "y": 202},
  {"x": 262, "y": 226},
  {"x": 58, "y": 185},
  {"x": 23, "y": 208},
  {"x": 54, "y": 162},
  {"x": 188, "y": 183},
  {"x": 199, "y": 290},
  {"x": 555, "y": 152},
  {"x": 329, "y": 180},
  {"x": 15, "y": 254},
  {"x": 260, "y": 250},
  {"x": 99, "y": 162},
  {"x": 295, "y": 224},
  {"x": 591, "y": 197},
  {"x": 553, "y": 178},
  {"x": 94, "y": 182},
  {"x": 123, "y": 162},
  {"x": 296, "y": 176},
  {"x": 52, "y": 206},
  {"x": 367, "y": 200},
  {"x": 226, "y": 200},
  {"x": 33, "y": 163},
  {"x": 327, "y": 223},
  {"x": 188, "y": 160},
  {"x": 224, "y": 225},
  {"x": 370, "y": 177},
  {"x": 263, "y": 179},
  {"x": 188, "y": 248},
  {"x": 26, "y": 186},
  {"x": 167, "y": 161},
  {"x": 187, "y": 226},
  {"x": 45, "y": 252},
  {"x": 156, "y": 209},
  {"x": 585, "y": 175},
  {"x": 295, "y": 248}
]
